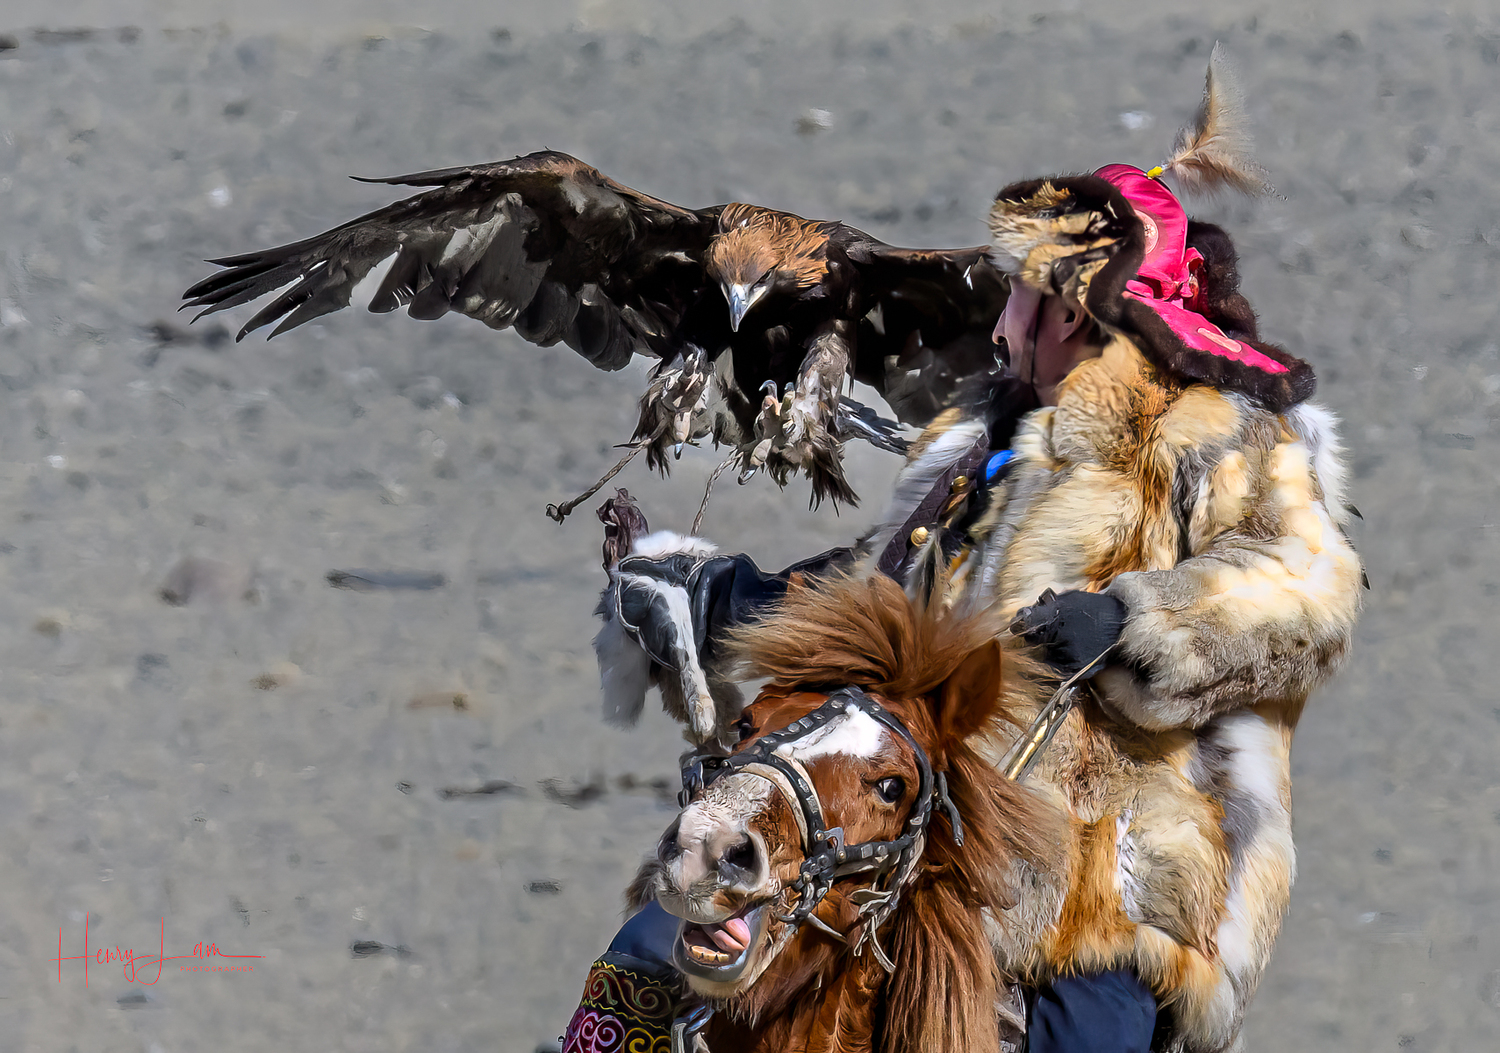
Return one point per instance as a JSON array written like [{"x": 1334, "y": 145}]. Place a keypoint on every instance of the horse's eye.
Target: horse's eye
[{"x": 890, "y": 790}]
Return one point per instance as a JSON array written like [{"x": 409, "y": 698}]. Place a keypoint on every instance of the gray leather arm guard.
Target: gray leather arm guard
[{"x": 667, "y": 607}]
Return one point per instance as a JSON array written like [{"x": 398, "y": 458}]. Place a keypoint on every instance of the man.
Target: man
[{"x": 1168, "y": 523}]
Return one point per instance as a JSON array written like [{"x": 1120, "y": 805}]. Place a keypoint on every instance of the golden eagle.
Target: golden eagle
[{"x": 758, "y": 318}]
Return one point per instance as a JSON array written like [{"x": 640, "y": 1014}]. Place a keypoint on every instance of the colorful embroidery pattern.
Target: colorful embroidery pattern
[{"x": 623, "y": 1011}]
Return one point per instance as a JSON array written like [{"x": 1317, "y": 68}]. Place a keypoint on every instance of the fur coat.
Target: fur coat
[
  {"x": 1214, "y": 511},
  {"x": 1190, "y": 479},
  {"x": 1217, "y": 523}
]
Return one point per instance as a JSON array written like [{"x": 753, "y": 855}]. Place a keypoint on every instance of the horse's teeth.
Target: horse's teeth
[{"x": 707, "y": 955}]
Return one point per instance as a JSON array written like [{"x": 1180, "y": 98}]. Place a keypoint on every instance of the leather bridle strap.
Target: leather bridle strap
[
  {"x": 826, "y": 857},
  {"x": 776, "y": 775}
]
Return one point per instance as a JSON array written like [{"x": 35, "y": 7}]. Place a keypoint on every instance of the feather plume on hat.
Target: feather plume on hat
[{"x": 1213, "y": 153}]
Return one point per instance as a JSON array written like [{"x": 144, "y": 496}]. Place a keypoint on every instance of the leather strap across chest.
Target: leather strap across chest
[{"x": 928, "y": 511}]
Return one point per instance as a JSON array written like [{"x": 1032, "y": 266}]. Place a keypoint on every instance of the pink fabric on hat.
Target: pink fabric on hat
[
  {"x": 1168, "y": 269},
  {"x": 1167, "y": 262},
  {"x": 1199, "y": 333}
]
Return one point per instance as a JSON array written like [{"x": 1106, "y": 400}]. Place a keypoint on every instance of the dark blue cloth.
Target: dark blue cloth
[
  {"x": 1111, "y": 1012},
  {"x": 648, "y": 936}
]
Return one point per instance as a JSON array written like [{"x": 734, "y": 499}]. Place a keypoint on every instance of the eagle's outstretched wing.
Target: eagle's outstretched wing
[
  {"x": 544, "y": 243},
  {"x": 561, "y": 252},
  {"x": 931, "y": 325}
]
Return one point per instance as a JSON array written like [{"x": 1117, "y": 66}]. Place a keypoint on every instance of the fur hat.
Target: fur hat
[{"x": 1119, "y": 243}]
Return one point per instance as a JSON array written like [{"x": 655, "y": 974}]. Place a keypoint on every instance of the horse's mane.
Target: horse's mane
[{"x": 865, "y": 631}]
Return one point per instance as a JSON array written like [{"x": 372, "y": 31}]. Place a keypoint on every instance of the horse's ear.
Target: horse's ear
[{"x": 970, "y": 696}]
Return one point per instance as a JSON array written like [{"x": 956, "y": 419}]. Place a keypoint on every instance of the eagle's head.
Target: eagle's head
[{"x": 756, "y": 252}]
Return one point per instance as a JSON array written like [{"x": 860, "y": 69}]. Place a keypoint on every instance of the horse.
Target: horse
[{"x": 837, "y": 872}]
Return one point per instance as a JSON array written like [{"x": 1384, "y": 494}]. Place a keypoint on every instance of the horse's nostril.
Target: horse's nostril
[
  {"x": 667, "y": 849},
  {"x": 738, "y": 858}
]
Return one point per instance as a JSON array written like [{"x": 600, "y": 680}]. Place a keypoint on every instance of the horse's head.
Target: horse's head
[
  {"x": 821, "y": 786},
  {"x": 855, "y": 820}
]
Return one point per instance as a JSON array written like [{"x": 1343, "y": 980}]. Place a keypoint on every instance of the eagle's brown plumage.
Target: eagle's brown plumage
[
  {"x": 753, "y": 240},
  {"x": 759, "y": 318}
]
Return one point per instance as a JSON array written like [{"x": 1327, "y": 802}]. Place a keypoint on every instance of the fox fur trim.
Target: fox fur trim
[{"x": 1217, "y": 522}]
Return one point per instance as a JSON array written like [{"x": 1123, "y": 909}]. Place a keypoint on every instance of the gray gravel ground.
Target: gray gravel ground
[{"x": 263, "y": 767}]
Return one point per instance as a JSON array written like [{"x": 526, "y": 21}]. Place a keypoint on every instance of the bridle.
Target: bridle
[{"x": 827, "y": 858}]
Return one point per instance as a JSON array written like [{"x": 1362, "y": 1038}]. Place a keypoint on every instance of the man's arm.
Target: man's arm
[
  {"x": 666, "y": 610},
  {"x": 1264, "y": 613}
]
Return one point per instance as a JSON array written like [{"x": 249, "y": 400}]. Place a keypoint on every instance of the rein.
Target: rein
[
  {"x": 1029, "y": 747},
  {"x": 827, "y": 858}
]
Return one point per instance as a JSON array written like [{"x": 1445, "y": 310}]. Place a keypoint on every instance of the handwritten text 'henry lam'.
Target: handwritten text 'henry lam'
[{"x": 136, "y": 967}]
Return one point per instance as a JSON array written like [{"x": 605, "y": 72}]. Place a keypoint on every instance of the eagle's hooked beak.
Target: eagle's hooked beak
[{"x": 741, "y": 298}]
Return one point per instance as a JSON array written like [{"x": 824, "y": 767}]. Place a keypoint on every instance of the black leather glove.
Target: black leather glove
[
  {"x": 721, "y": 592},
  {"x": 1073, "y": 630}
]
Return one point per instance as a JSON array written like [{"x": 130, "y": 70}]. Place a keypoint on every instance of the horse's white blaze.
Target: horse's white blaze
[{"x": 853, "y": 734}]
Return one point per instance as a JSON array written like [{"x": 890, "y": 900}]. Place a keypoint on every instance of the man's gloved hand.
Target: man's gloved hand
[
  {"x": 1073, "y": 630},
  {"x": 656, "y": 632}
]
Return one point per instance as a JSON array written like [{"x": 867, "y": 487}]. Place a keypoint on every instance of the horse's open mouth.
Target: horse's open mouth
[{"x": 719, "y": 951}]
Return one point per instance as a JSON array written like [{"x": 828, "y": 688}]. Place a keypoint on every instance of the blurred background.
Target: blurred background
[{"x": 403, "y": 799}]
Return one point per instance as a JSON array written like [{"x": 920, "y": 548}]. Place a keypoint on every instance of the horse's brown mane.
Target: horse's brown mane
[
  {"x": 920, "y": 661},
  {"x": 866, "y": 632}
]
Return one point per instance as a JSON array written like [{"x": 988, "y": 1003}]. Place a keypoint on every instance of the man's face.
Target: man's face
[{"x": 1046, "y": 338}]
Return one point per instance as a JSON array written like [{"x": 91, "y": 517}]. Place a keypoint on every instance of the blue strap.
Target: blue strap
[{"x": 996, "y": 462}]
